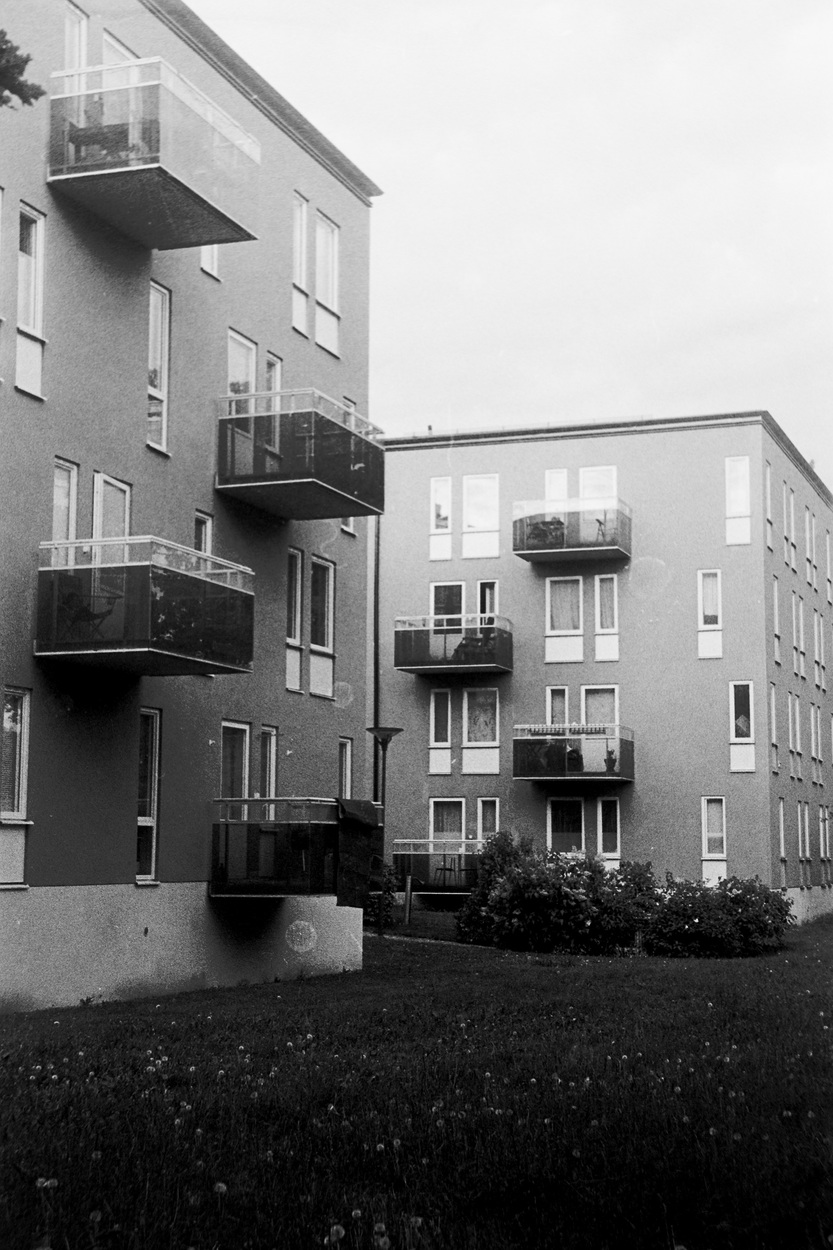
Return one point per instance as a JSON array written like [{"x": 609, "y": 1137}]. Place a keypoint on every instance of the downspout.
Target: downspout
[{"x": 376, "y": 659}]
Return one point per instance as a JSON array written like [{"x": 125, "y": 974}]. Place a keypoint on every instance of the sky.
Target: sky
[{"x": 592, "y": 209}]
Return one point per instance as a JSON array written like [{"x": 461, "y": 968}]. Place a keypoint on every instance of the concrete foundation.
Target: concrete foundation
[{"x": 810, "y": 903}]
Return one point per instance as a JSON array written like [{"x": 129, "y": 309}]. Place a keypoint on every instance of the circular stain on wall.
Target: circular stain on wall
[{"x": 301, "y": 936}]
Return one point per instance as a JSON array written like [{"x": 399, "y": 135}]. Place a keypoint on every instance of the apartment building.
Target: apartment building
[
  {"x": 185, "y": 480},
  {"x": 611, "y": 638}
]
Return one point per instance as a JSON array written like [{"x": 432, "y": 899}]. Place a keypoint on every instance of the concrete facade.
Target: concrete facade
[
  {"x": 706, "y": 496},
  {"x": 71, "y": 749}
]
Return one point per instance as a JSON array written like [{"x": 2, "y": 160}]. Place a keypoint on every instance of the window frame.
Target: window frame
[
  {"x": 743, "y": 509},
  {"x": 702, "y": 625},
  {"x": 246, "y": 728},
  {"x": 768, "y": 498},
  {"x": 433, "y": 740},
  {"x": 550, "y": 690},
  {"x": 345, "y": 768},
  {"x": 567, "y": 798},
  {"x": 495, "y": 609},
  {"x": 597, "y": 580},
  {"x": 21, "y": 756},
  {"x": 294, "y": 601},
  {"x": 35, "y": 285},
  {"x": 72, "y": 470},
  {"x": 733, "y": 736},
  {"x": 432, "y": 833},
  {"x": 704, "y": 827},
  {"x": 586, "y": 470},
  {"x": 160, "y": 393},
  {"x": 609, "y": 798},
  {"x": 327, "y": 277},
  {"x": 268, "y": 761},
  {"x": 467, "y": 526},
  {"x": 491, "y": 742},
  {"x": 328, "y": 646},
  {"x": 434, "y": 490},
  {"x": 210, "y": 260},
  {"x": 154, "y": 716},
  {"x": 242, "y": 407},
  {"x": 300, "y": 264},
  {"x": 481, "y": 836},
  {"x": 564, "y": 633},
  {"x": 593, "y": 686},
  {"x": 446, "y": 616},
  {"x": 205, "y": 521},
  {"x": 776, "y": 619}
]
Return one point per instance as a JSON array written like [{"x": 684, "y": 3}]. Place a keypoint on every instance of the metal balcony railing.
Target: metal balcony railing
[
  {"x": 144, "y": 604},
  {"x": 443, "y": 864},
  {"x": 140, "y": 146},
  {"x": 567, "y": 752},
  {"x": 300, "y": 454},
  {"x": 571, "y": 529},
  {"x": 467, "y": 643}
]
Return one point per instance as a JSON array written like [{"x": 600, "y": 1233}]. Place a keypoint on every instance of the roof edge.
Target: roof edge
[{"x": 185, "y": 23}]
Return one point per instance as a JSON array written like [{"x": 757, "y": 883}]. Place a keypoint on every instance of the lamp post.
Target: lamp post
[{"x": 382, "y": 735}]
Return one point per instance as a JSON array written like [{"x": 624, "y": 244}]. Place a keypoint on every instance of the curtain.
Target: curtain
[
  {"x": 710, "y": 599},
  {"x": 565, "y": 606},
  {"x": 481, "y": 711}
]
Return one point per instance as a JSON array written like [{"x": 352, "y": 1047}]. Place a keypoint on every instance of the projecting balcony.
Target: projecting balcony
[
  {"x": 278, "y": 847},
  {"x": 572, "y": 752},
  {"x": 452, "y": 644},
  {"x": 572, "y": 529},
  {"x": 300, "y": 455},
  {"x": 143, "y": 149},
  {"x": 437, "y": 865},
  {"x": 144, "y": 605}
]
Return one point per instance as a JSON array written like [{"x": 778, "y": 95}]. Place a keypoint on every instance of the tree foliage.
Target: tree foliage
[{"x": 13, "y": 64}]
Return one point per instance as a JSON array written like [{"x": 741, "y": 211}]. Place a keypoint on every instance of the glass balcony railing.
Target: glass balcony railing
[
  {"x": 474, "y": 643},
  {"x": 443, "y": 864},
  {"x": 145, "y": 605},
  {"x": 567, "y": 752},
  {"x": 141, "y": 147},
  {"x": 300, "y": 455},
  {"x": 572, "y": 529},
  {"x": 276, "y": 847}
]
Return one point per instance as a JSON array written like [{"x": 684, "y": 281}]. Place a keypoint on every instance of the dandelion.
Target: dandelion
[
  {"x": 221, "y": 1189},
  {"x": 379, "y": 1229},
  {"x": 380, "y": 1148},
  {"x": 269, "y": 1156},
  {"x": 397, "y": 1143},
  {"x": 95, "y": 1217},
  {"x": 52, "y": 1184},
  {"x": 712, "y": 1132},
  {"x": 336, "y": 1233},
  {"x": 95, "y": 1156},
  {"x": 40, "y": 1183}
]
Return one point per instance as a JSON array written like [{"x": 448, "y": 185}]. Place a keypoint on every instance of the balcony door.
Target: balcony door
[
  {"x": 234, "y": 753},
  {"x": 599, "y": 705},
  {"x": 242, "y": 375},
  {"x": 565, "y": 826}
]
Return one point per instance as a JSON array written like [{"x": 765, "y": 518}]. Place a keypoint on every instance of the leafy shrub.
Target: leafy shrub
[
  {"x": 474, "y": 923},
  {"x": 540, "y": 905},
  {"x": 735, "y": 917},
  {"x": 623, "y": 901},
  {"x": 380, "y": 903}
]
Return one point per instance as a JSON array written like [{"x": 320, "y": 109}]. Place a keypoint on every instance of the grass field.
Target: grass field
[{"x": 445, "y": 1097}]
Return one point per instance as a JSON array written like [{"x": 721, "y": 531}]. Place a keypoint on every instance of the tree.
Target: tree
[{"x": 13, "y": 62}]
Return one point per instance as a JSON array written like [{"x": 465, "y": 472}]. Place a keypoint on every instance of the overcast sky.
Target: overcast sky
[{"x": 593, "y": 208}]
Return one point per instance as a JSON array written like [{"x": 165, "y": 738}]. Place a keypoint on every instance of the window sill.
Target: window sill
[
  {"x": 209, "y": 274},
  {"x": 329, "y": 697},
  {"x": 21, "y": 390},
  {"x": 142, "y": 883},
  {"x": 13, "y": 885},
  {"x": 15, "y": 821},
  {"x": 160, "y": 451},
  {"x": 319, "y": 650},
  {"x": 295, "y": 690},
  {"x": 328, "y": 350},
  {"x": 303, "y": 333}
]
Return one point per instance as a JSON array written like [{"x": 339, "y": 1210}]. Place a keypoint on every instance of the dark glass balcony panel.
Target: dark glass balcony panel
[
  {"x": 568, "y": 752},
  {"x": 437, "y": 865},
  {"x": 277, "y": 847},
  {"x": 300, "y": 455},
  {"x": 447, "y": 644},
  {"x": 143, "y": 149},
  {"x": 572, "y": 529},
  {"x": 145, "y": 606}
]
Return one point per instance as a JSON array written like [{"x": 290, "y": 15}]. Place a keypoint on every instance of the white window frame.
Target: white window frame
[
  {"x": 249, "y": 347},
  {"x": 702, "y": 624},
  {"x": 273, "y": 372},
  {"x": 768, "y": 496},
  {"x": 433, "y": 587},
  {"x": 75, "y": 19},
  {"x": 467, "y": 742},
  {"x": 808, "y": 550},
  {"x": 605, "y": 685},
  {"x": 600, "y": 577},
  {"x": 268, "y": 775},
  {"x": 328, "y": 646},
  {"x": 154, "y": 715},
  {"x": 829, "y": 568},
  {"x": 617, "y": 854},
  {"x": 802, "y": 642},
  {"x": 793, "y": 545},
  {"x": 493, "y": 611},
  {"x": 567, "y": 798},
  {"x": 434, "y": 741},
  {"x": 159, "y": 393},
  {"x": 30, "y": 340},
  {"x": 300, "y": 281},
  {"x": 550, "y": 691},
  {"x": 776, "y": 620},
  {"x": 565, "y": 633},
  {"x": 733, "y": 737},
  {"x": 738, "y": 511},
  {"x": 206, "y": 523},
  {"x": 795, "y": 632},
  {"x": 480, "y": 802},
  {"x": 21, "y": 763},
  {"x": 247, "y": 752},
  {"x": 432, "y": 834},
  {"x": 295, "y": 560},
  {"x": 345, "y": 768},
  {"x": 583, "y": 476},
  {"x": 210, "y": 260},
  {"x": 556, "y": 493},
  {"x": 327, "y": 294},
  {"x": 437, "y": 486},
  {"x": 71, "y": 470},
  {"x": 704, "y": 801},
  {"x": 773, "y": 727},
  {"x": 468, "y": 526},
  {"x": 100, "y": 480}
]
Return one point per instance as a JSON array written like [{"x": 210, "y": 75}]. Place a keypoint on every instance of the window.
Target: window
[
  {"x": 203, "y": 532},
  {"x": 274, "y": 372},
  {"x": 487, "y": 817},
  {"x": 565, "y": 826},
  {"x": 782, "y": 841},
  {"x": 234, "y": 765},
  {"x": 607, "y": 617},
  {"x": 607, "y": 814},
  {"x": 768, "y": 493},
  {"x": 158, "y": 347},
  {"x": 776, "y": 621},
  {"x": 242, "y": 372},
  {"x": 64, "y": 505},
  {"x": 300, "y": 296},
  {"x": 75, "y": 37},
  {"x": 795, "y": 632},
  {"x": 741, "y": 728},
  {"x": 738, "y": 512},
  {"x": 14, "y": 754},
  {"x": 439, "y": 536},
  {"x": 480, "y": 717},
  {"x": 294, "y": 583},
  {"x": 793, "y": 548},
  {"x": 557, "y": 704},
  {"x": 797, "y": 734},
  {"x": 148, "y": 804},
  {"x": 30, "y": 343},
  {"x": 829, "y": 568},
  {"x": 555, "y": 485},
  {"x": 481, "y": 515},
  {"x": 816, "y": 648},
  {"x": 713, "y": 816},
  {"x": 823, "y": 831},
  {"x": 773, "y": 729},
  {"x": 210, "y": 259},
  {"x": 326, "y": 283},
  {"x": 813, "y": 550},
  {"x": 440, "y": 718},
  {"x": 447, "y": 605},
  {"x": 600, "y": 705},
  {"x": 321, "y": 628},
  {"x": 345, "y": 768},
  {"x": 821, "y": 654},
  {"x": 564, "y": 641},
  {"x": 487, "y": 600},
  {"x": 709, "y": 614},
  {"x": 597, "y": 482},
  {"x": 802, "y": 649},
  {"x": 111, "y": 507},
  {"x": 791, "y": 732},
  {"x": 448, "y": 817},
  {"x": 268, "y": 762},
  {"x": 819, "y": 761}
]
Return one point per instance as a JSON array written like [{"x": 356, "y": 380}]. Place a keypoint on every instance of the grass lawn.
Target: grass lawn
[{"x": 461, "y": 1097}]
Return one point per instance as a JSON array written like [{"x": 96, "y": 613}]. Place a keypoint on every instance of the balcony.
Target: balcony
[
  {"x": 570, "y": 752},
  {"x": 279, "y": 847},
  {"x": 572, "y": 529},
  {"x": 143, "y": 149},
  {"x": 437, "y": 865},
  {"x": 452, "y": 644},
  {"x": 145, "y": 606},
  {"x": 300, "y": 455}
]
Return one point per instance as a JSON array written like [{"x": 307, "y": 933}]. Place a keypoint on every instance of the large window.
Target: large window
[
  {"x": 448, "y": 819},
  {"x": 14, "y": 755},
  {"x": 480, "y": 717},
  {"x": 29, "y": 368},
  {"x": 326, "y": 283},
  {"x": 481, "y": 515},
  {"x": 148, "y": 804},
  {"x": 738, "y": 507},
  {"x": 158, "y": 349},
  {"x": 300, "y": 293},
  {"x": 565, "y": 826},
  {"x": 564, "y": 605}
]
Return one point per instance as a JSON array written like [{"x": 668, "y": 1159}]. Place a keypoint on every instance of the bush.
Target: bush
[
  {"x": 474, "y": 923},
  {"x": 540, "y": 905},
  {"x": 733, "y": 918},
  {"x": 380, "y": 904},
  {"x": 624, "y": 901}
]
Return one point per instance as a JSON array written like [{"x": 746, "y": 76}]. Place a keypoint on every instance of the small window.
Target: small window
[
  {"x": 29, "y": 366},
  {"x": 242, "y": 372},
  {"x": 597, "y": 482},
  {"x": 480, "y": 717},
  {"x": 64, "y": 505},
  {"x": 234, "y": 782},
  {"x": 557, "y": 705},
  {"x": 345, "y": 768},
  {"x": 274, "y": 371},
  {"x": 447, "y": 604},
  {"x": 326, "y": 284},
  {"x": 768, "y": 493},
  {"x": 714, "y": 828},
  {"x": 600, "y": 706},
  {"x": 210, "y": 259},
  {"x": 792, "y": 545},
  {"x": 608, "y": 822},
  {"x": 440, "y": 505},
  {"x": 321, "y": 605},
  {"x": 148, "y": 804},
  {"x": 776, "y": 622},
  {"x": 268, "y": 762},
  {"x": 203, "y": 532},
  {"x": 294, "y": 571},
  {"x": 487, "y": 600},
  {"x": 607, "y": 604},
  {"x": 565, "y": 826},
  {"x": 481, "y": 515},
  {"x": 14, "y": 756},
  {"x": 773, "y": 728},
  {"x": 487, "y": 817},
  {"x": 564, "y": 605},
  {"x": 802, "y": 647},
  {"x": 742, "y": 726},
  {"x": 300, "y": 295},
  {"x": 440, "y": 728},
  {"x": 738, "y": 509},
  {"x": 158, "y": 350},
  {"x": 709, "y": 599},
  {"x": 555, "y": 485},
  {"x": 795, "y": 631}
]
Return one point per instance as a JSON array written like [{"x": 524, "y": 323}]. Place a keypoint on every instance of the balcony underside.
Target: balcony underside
[
  {"x": 441, "y": 670},
  {"x": 150, "y": 205},
  {"x": 302, "y": 499},
  {"x": 143, "y": 661},
  {"x": 566, "y": 555}
]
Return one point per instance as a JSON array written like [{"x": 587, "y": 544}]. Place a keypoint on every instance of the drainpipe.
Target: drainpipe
[{"x": 376, "y": 658}]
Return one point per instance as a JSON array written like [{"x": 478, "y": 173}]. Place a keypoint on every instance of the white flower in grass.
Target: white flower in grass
[{"x": 221, "y": 1189}]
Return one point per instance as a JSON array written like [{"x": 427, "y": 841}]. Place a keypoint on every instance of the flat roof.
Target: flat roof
[
  {"x": 598, "y": 429},
  {"x": 193, "y": 30}
]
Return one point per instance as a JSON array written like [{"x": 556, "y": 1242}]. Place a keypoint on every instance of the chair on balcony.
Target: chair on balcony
[
  {"x": 448, "y": 872},
  {"x": 77, "y": 620}
]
